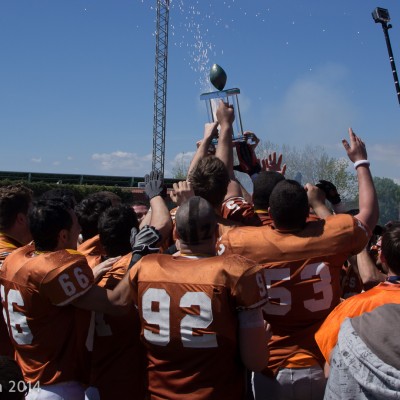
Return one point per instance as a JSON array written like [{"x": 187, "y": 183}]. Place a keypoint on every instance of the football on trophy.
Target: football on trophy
[{"x": 218, "y": 77}]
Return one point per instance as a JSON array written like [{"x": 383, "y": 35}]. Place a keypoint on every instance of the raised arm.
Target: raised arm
[
  {"x": 316, "y": 200},
  {"x": 210, "y": 132},
  {"x": 225, "y": 117},
  {"x": 368, "y": 202},
  {"x": 160, "y": 216}
]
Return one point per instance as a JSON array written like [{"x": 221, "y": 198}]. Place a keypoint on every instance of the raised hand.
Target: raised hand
[
  {"x": 356, "y": 150},
  {"x": 272, "y": 164}
]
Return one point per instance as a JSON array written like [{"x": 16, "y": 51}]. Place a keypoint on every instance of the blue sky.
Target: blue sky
[{"x": 76, "y": 77}]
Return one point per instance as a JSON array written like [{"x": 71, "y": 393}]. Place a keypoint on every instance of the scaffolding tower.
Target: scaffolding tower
[{"x": 160, "y": 86}]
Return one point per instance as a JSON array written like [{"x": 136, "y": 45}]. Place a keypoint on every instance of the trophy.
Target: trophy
[{"x": 218, "y": 78}]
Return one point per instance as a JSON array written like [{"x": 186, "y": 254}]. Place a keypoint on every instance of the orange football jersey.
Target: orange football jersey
[
  {"x": 48, "y": 334},
  {"x": 302, "y": 275},
  {"x": 239, "y": 210},
  {"x": 188, "y": 310},
  {"x": 327, "y": 334},
  {"x": 118, "y": 358},
  {"x": 93, "y": 250},
  {"x": 7, "y": 246}
]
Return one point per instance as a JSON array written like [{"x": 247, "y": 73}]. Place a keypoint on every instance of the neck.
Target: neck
[{"x": 203, "y": 249}]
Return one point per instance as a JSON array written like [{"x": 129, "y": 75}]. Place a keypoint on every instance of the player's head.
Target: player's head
[
  {"x": 54, "y": 225},
  {"x": 88, "y": 212},
  {"x": 289, "y": 205},
  {"x": 115, "y": 225},
  {"x": 65, "y": 195},
  {"x": 390, "y": 254},
  {"x": 210, "y": 180},
  {"x": 264, "y": 183},
  {"x": 15, "y": 201},
  {"x": 196, "y": 222},
  {"x": 141, "y": 209},
  {"x": 12, "y": 382},
  {"x": 113, "y": 197}
]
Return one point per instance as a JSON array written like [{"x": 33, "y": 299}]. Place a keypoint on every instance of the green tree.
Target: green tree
[
  {"x": 181, "y": 166},
  {"x": 388, "y": 198},
  {"x": 312, "y": 164}
]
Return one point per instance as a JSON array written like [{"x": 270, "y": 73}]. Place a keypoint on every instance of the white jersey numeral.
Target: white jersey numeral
[
  {"x": 283, "y": 296},
  {"x": 16, "y": 320},
  {"x": 68, "y": 286},
  {"x": 156, "y": 311}
]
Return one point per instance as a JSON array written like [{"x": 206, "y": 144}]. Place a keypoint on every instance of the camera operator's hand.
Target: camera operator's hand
[
  {"x": 248, "y": 162},
  {"x": 330, "y": 191},
  {"x": 356, "y": 150},
  {"x": 154, "y": 185},
  {"x": 251, "y": 137},
  {"x": 316, "y": 199}
]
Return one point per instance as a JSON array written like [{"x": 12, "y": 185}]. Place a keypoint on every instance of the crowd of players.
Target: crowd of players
[{"x": 278, "y": 295}]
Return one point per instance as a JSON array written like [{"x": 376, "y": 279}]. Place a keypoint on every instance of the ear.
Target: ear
[
  {"x": 383, "y": 259},
  {"x": 21, "y": 219},
  {"x": 63, "y": 236}
]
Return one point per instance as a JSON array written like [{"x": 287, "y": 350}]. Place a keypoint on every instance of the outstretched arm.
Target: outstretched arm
[
  {"x": 210, "y": 132},
  {"x": 368, "y": 202}
]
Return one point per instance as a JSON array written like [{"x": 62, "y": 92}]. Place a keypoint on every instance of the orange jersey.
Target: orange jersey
[
  {"x": 302, "y": 275},
  {"x": 48, "y": 334},
  {"x": 93, "y": 250},
  {"x": 351, "y": 282},
  {"x": 118, "y": 358},
  {"x": 188, "y": 310},
  {"x": 239, "y": 210},
  {"x": 7, "y": 246},
  {"x": 327, "y": 335}
]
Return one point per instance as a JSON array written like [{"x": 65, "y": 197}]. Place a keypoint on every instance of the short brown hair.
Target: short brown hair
[
  {"x": 14, "y": 199},
  {"x": 210, "y": 179},
  {"x": 391, "y": 247}
]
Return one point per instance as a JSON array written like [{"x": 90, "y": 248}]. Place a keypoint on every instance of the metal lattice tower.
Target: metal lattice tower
[{"x": 160, "y": 86}]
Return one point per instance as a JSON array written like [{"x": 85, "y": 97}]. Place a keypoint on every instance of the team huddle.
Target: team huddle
[{"x": 225, "y": 296}]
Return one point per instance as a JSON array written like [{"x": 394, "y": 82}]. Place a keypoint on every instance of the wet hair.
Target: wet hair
[
  {"x": 289, "y": 205},
  {"x": 46, "y": 219},
  {"x": 10, "y": 380},
  {"x": 89, "y": 211},
  {"x": 210, "y": 179},
  {"x": 391, "y": 247},
  {"x": 115, "y": 225},
  {"x": 14, "y": 199},
  {"x": 264, "y": 183},
  {"x": 195, "y": 221}
]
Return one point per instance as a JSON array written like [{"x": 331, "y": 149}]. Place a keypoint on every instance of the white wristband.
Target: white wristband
[{"x": 361, "y": 162}]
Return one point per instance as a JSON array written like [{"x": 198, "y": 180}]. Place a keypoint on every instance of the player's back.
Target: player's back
[
  {"x": 7, "y": 246},
  {"x": 188, "y": 309},
  {"x": 34, "y": 287},
  {"x": 302, "y": 275},
  {"x": 118, "y": 362}
]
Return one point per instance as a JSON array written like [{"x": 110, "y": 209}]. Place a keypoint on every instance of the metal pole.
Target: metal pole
[
  {"x": 160, "y": 86},
  {"x": 386, "y": 28}
]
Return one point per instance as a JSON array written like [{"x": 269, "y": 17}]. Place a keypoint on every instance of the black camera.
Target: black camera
[{"x": 381, "y": 15}]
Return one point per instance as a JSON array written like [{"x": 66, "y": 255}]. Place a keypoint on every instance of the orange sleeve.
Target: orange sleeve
[{"x": 63, "y": 285}]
